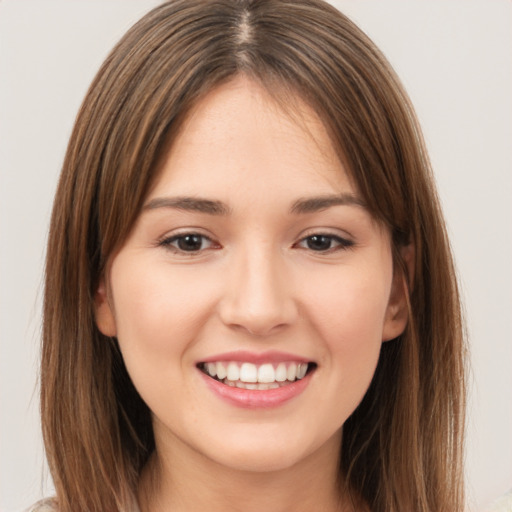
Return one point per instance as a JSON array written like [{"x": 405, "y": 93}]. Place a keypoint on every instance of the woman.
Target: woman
[{"x": 245, "y": 232}]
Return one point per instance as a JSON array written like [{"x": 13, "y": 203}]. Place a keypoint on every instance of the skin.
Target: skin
[{"x": 255, "y": 282}]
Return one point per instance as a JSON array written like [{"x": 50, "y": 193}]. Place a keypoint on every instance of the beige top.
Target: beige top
[
  {"x": 503, "y": 504},
  {"x": 43, "y": 506},
  {"x": 49, "y": 505}
]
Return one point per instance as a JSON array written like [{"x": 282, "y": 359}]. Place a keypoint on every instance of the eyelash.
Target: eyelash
[
  {"x": 335, "y": 243},
  {"x": 176, "y": 239},
  {"x": 341, "y": 243}
]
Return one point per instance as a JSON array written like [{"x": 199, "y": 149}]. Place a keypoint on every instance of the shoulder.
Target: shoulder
[
  {"x": 48, "y": 505},
  {"x": 502, "y": 504}
]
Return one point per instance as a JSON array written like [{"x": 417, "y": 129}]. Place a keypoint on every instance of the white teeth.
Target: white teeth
[
  {"x": 211, "y": 368},
  {"x": 266, "y": 373},
  {"x": 248, "y": 372},
  {"x": 251, "y": 376},
  {"x": 221, "y": 371},
  {"x": 249, "y": 385},
  {"x": 281, "y": 372},
  {"x": 291, "y": 373},
  {"x": 233, "y": 372}
]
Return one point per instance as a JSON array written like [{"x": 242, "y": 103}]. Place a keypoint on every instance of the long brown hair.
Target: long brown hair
[{"x": 402, "y": 447}]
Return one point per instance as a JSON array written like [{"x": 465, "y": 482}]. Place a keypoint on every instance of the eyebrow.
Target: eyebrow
[
  {"x": 319, "y": 203},
  {"x": 214, "y": 207},
  {"x": 186, "y": 203}
]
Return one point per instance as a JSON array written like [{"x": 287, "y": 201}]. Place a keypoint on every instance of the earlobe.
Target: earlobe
[
  {"x": 104, "y": 315},
  {"x": 397, "y": 313}
]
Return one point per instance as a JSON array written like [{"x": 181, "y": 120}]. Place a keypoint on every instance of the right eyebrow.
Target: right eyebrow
[{"x": 188, "y": 203}]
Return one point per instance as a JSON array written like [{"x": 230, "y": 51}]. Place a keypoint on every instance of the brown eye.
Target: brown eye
[
  {"x": 324, "y": 243},
  {"x": 319, "y": 242},
  {"x": 188, "y": 242}
]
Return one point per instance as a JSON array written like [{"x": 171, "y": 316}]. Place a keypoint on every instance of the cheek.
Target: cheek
[
  {"x": 349, "y": 315},
  {"x": 158, "y": 314},
  {"x": 351, "y": 306}
]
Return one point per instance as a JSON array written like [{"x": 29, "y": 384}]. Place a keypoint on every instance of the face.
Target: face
[{"x": 252, "y": 297}]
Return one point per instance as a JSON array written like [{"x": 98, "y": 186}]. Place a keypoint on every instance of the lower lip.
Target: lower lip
[{"x": 257, "y": 398}]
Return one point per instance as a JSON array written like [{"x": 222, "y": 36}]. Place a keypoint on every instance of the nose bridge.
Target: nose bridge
[{"x": 259, "y": 295}]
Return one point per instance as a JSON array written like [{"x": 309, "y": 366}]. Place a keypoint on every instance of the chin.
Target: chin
[
  {"x": 267, "y": 453},
  {"x": 259, "y": 461}
]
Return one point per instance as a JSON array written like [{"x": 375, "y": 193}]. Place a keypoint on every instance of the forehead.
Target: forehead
[{"x": 239, "y": 136}]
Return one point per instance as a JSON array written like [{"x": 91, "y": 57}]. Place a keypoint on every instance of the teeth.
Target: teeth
[
  {"x": 251, "y": 376},
  {"x": 211, "y": 368},
  {"x": 301, "y": 371},
  {"x": 291, "y": 373},
  {"x": 266, "y": 373},
  {"x": 281, "y": 372},
  {"x": 270, "y": 385},
  {"x": 245, "y": 385},
  {"x": 248, "y": 372},
  {"x": 233, "y": 371},
  {"x": 221, "y": 370},
  {"x": 258, "y": 385}
]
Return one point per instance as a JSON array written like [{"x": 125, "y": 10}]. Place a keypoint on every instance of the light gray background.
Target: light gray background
[{"x": 454, "y": 57}]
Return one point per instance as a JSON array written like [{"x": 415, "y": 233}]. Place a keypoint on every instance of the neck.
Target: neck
[{"x": 188, "y": 481}]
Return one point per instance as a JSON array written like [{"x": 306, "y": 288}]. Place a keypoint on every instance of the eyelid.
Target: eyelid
[
  {"x": 167, "y": 240},
  {"x": 343, "y": 242}
]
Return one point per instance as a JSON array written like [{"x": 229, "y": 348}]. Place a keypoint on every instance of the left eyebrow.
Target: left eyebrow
[{"x": 316, "y": 204}]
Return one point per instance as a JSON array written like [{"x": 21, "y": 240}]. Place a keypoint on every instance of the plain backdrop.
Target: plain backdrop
[{"x": 454, "y": 57}]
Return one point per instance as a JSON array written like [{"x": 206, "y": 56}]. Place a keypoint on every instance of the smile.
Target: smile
[{"x": 245, "y": 375}]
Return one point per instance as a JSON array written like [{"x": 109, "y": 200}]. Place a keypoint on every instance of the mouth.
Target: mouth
[{"x": 261, "y": 377}]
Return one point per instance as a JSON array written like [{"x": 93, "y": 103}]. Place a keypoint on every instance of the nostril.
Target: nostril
[{"x": 258, "y": 302}]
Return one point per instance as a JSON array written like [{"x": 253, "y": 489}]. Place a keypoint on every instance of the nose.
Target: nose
[{"x": 258, "y": 296}]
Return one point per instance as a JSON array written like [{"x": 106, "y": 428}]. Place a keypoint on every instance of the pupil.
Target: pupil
[
  {"x": 190, "y": 243},
  {"x": 319, "y": 242}
]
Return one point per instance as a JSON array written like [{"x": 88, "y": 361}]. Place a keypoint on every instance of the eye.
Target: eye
[
  {"x": 324, "y": 243},
  {"x": 188, "y": 242}
]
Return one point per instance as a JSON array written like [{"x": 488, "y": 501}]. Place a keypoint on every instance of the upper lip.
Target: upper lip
[{"x": 244, "y": 356}]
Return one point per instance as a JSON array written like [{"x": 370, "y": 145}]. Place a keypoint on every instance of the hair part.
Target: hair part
[{"x": 402, "y": 447}]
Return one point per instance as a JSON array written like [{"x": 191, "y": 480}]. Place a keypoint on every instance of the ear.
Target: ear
[
  {"x": 103, "y": 312},
  {"x": 397, "y": 312}
]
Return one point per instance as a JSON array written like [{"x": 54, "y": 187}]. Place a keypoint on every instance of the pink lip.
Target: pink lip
[
  {"x": 255, "y": 358},
  {"x": 254, "y": 398}
]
